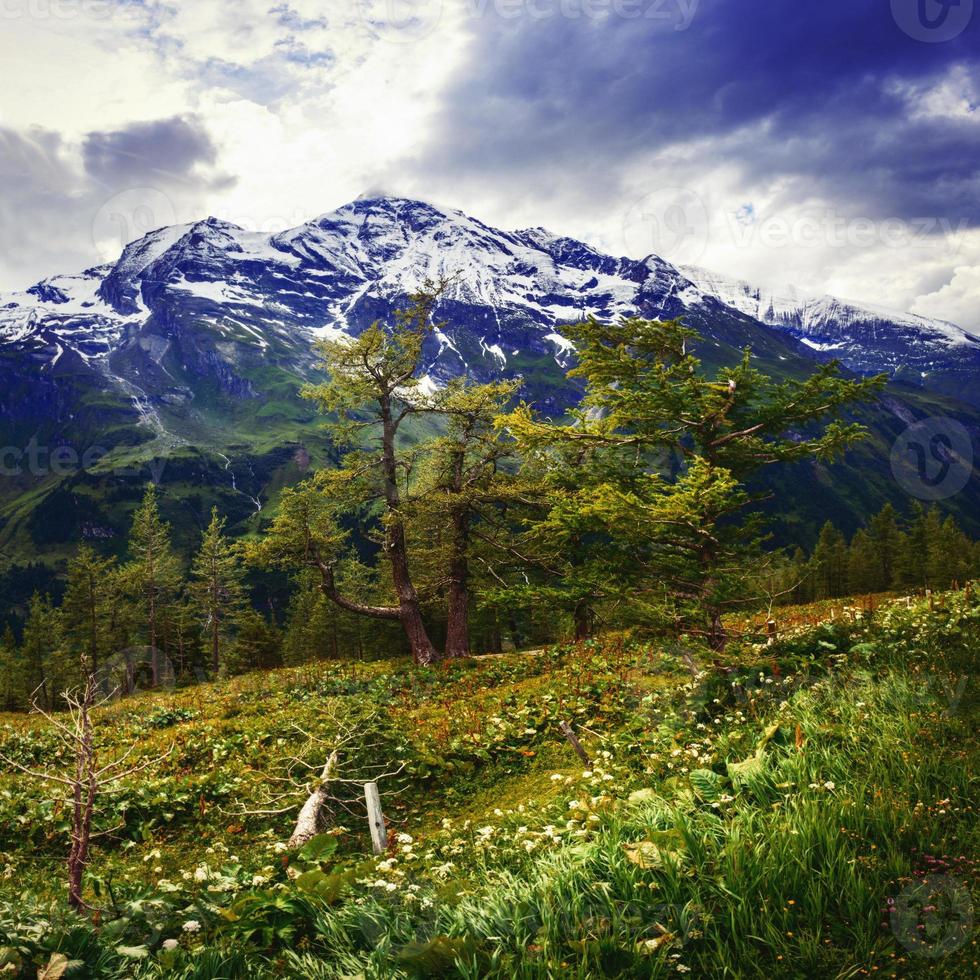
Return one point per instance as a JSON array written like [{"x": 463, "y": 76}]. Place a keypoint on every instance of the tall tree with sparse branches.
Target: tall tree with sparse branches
[{"x": 216, "y": 586}]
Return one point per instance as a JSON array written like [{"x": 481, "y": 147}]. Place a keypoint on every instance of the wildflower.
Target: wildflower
[
  {"x": 170, "y": 945},
  {"x": 201, "y": 873},
  {"x": 192, "y": 925},
  {"x": 829, "y": 785}
]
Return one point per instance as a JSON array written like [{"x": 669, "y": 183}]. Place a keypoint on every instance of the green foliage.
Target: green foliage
[
  {"x": 754, "y": 818},
  {"x": 217, "y": 588},
  {"x": 650, "y": 511},
  {"x": 928, "y": 552}
]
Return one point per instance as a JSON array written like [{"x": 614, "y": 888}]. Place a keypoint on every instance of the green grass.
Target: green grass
[{"x": 788, "y": 812}]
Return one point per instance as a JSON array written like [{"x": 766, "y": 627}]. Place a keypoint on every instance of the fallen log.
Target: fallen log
[{"x": 309, "y": 823}]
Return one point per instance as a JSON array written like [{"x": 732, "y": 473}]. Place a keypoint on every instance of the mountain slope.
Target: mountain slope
[
  {"x": 187, "y": 354},
  {"x": 928, "y": 353}
]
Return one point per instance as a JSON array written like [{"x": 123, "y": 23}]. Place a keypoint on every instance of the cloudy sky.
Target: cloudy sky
[{"x": 835, "y": 145}]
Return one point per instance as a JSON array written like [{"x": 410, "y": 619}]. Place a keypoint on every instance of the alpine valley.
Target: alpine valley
[{"x": 183, "y": 362}]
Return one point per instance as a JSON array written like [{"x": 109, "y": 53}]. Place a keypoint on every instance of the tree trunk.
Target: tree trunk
[
  {"x": 458, "y": 608},
  {"x": 215, "y": 647},
  {"x": 309, "y": 823},
  {"x": 154, "y": 660},
  {"x": 410, "y": 613},
  {"x": 83, "y": 801},
  {"x": 717, "y": 634},
  {"x": 583, "y": 621}
]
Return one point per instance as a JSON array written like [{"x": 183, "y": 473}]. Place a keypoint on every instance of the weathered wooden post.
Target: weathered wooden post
[
  {"x": 771, "y": 631},
  {"x": 566, "y": 730},
  {"x": 376, "y": 819}
]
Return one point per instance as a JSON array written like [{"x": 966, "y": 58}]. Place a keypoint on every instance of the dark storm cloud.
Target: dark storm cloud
[
  {"x": 814, "y": 93},
  {"x": 58, "y": 197},
  {"x": 169, "y": 148}
]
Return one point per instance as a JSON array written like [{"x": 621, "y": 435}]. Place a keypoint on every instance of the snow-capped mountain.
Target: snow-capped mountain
[
  {"x": 866, "y": 338},
  {"x": 213, "y": 301},
  {"x": 193, "y": 346}
]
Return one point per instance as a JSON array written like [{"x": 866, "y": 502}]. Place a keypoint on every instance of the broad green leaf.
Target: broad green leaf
[
  {"x": 642, "y": 795},
  {"x": 743, "y": 772},
  {"x": 318, "y": 848},
  {"x": 55, "y": 968},
  {"x": 133, "y": 952},
  {"x": 706, "y": 784}
]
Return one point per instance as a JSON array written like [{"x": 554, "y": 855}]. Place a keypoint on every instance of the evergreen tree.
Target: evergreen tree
[
  {"x": 888, "y": 542},
  {"x": 949, "y": 554},
  {"x": 312, "y": 630},
  {"x": 43, "y": 670},
  {"x": 460, "y": 484},
  {"x": 257, "y": 645},
  {"x": 679, "y": 548},
  {"x": 90, "y": 595},
  {"x": 830, "y": 563},
  {"x": 216, "y": 586},
  {"x": 12, "y": 675},
  {"x": 153, "y": 574},
  {"x": 863, "y": 564},
  {"x": 373, "y": 387}
]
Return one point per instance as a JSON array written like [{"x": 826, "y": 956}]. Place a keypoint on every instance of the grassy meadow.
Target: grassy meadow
[{"x": 800, "y": 809}]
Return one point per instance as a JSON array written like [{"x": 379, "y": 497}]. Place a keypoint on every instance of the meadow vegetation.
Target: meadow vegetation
[{"x": 805, "y": 808}]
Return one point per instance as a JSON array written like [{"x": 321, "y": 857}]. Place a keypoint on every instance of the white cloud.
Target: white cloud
[
  {"x": 958, "y": 300},
  {"x": 308, "y": 103}
]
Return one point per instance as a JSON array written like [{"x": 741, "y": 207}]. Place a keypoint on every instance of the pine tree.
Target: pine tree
[
  {"x": 949, "y": 553},
  {"x": 43, "y": 670},
  {"x": 216, "y": 586},
  {"x": 678, "y": 544},
  {"x": 461, "y": 483},
  {"x": 257, "y": 645},
  {"x": 863, "y": 564},
  {"x": 830, "y": 563},
  {"x": 11, "y": 672},
  {"x": 87, "y": 609},
  {"x": 153, "y": 574},
  {"x": 373, "y": 387},
  {"x": 888, "y": 541}
]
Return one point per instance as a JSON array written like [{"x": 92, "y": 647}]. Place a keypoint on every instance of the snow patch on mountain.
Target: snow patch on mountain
[
  {"x": 820, "y": 315},
  {"x": 508, "y": 294}
]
